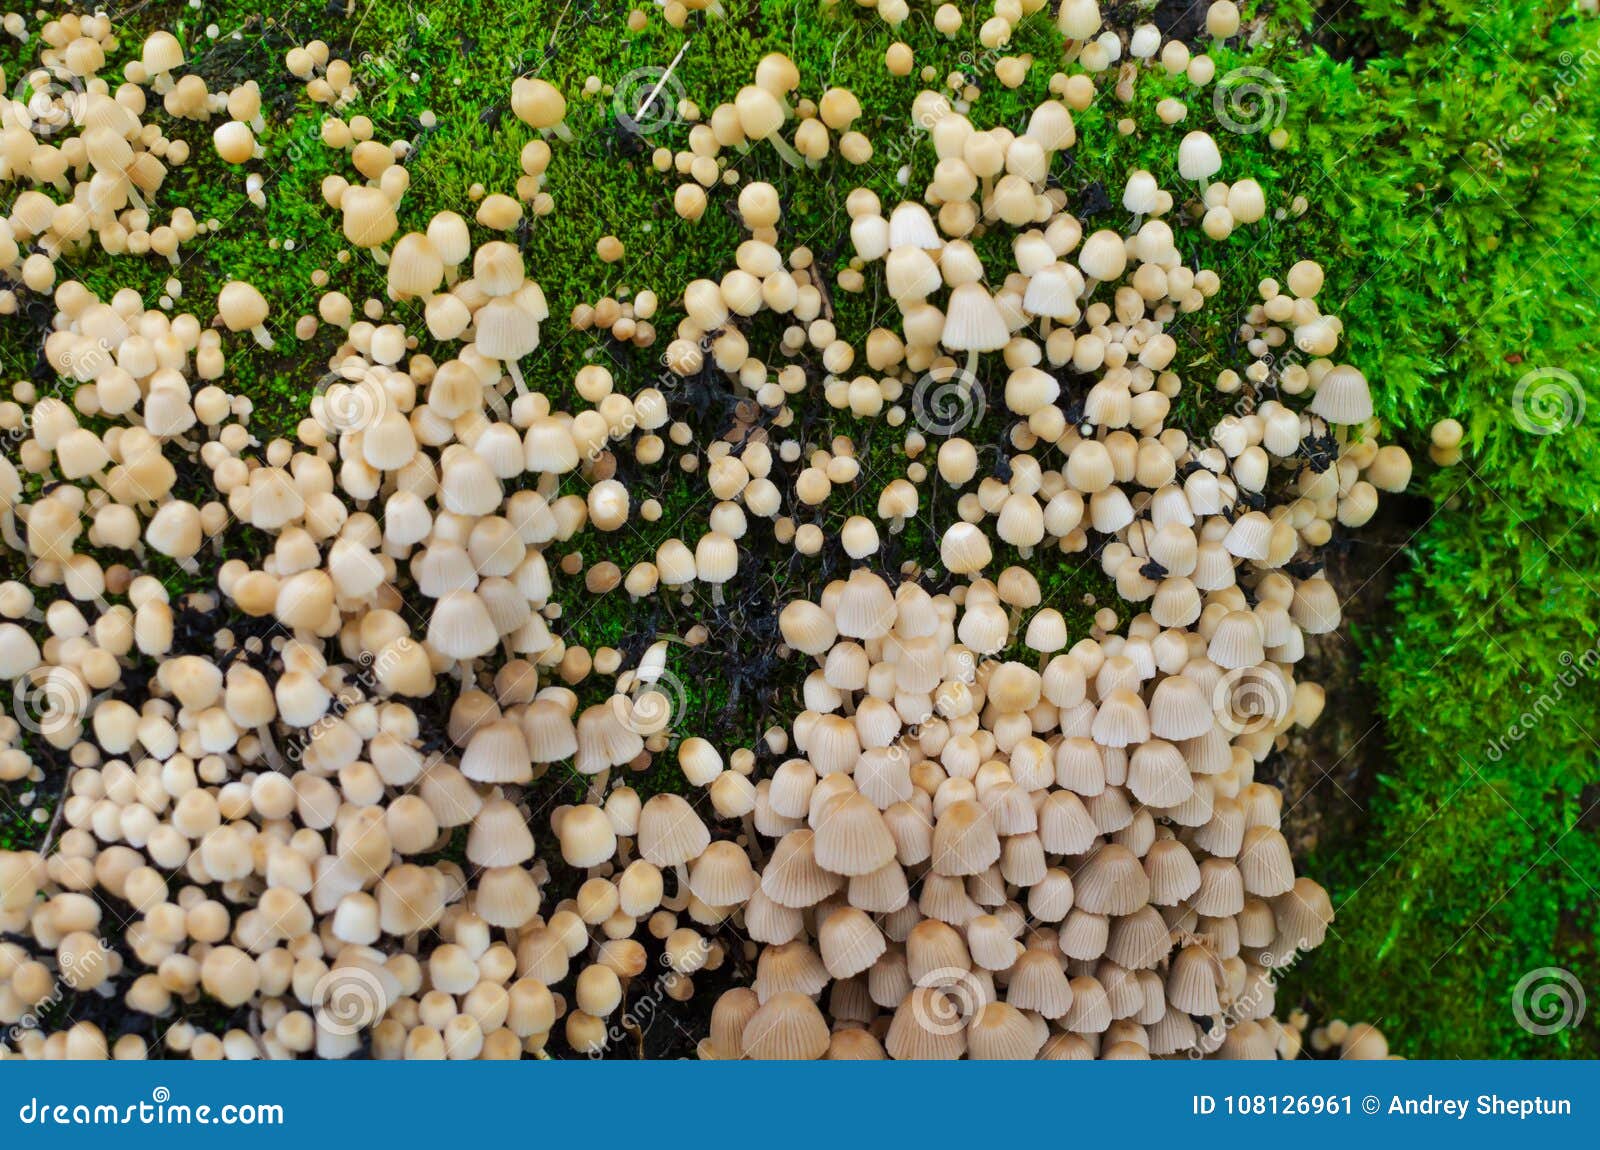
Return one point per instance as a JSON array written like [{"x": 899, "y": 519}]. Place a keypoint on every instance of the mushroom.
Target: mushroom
[{"x": 243, "y": 308}]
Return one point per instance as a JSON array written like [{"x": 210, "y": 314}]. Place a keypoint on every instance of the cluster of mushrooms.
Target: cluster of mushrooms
[{"x": 321, "y": 794}]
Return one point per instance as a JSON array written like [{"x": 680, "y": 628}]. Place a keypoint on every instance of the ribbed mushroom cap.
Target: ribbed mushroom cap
[
  {"x": 1158, "y": 775},
  {"x": 792, "y": 877},
  {"x": 498, "y": 753},
  {"x": 1038, "y": 983},
  {"x": 850, "y": 942},
  {"x": 605, "y": 740},
  {"x": 732, "y": 1012},
  {"x": 767, "y": 921},
  {"x": 866, "y": 607},
  {"x": 928, "y": 1024},
  {"x": 851, "y": 838},
  {"x": 973, "y": 322},
  {"x": 1302, "y": 914},
  {"x": 1198, "y": 157},
  {"x": 1192, "y": 982},
  {"x": 999, "y": 1031},
  {"x": 791, "y": 967},
  {"x": 1179, "y": 709},
  {"x": 856, "y": 1045},
  {"x": 460, "y": 627},
  {"x": 1139, "y": 941},
  {"x": 1111, "y": 882},
  {"x": 548, "y": 731},
  {"x": 499, "y": 836},
  {"x": 506, "y": 897},
  {"x": 1265, "y": 863},
  {"x": 806, "y": 627},
  {"x": 964, "y": 840},
  {"x": 1236, "y": 642},
  {"x": 1065, "y": 825},
  {"x": 1090, "y": 1012},
  {"x": 910, "y": 225},
  {"x": 1343, "y": 396},
  {"x": 1121, "y": 719},
  {"x": 722, "y": 875},
  {"x": 670, "y": 832},
  {"x": 787, "y": 1026}
]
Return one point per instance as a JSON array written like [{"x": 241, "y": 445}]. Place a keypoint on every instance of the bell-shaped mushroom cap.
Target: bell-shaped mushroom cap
[
  {"x": 1121, "y": 719},
  {"x": 1158, "y": 775},
  {"x": 730, "y": 1015},
  {"x": 587, "y": 838},
  {"x": 1192, "y": 982},
  {"x": 929, "y": 1025},
  {"x": 506, "y": 897},
  {"x": 1112, "y": 882},
  {"x": 806, "y": 627},
  {"x": 1198, "y": 158},
  {"x": 973, "y": 322},
  {"x": 1054, "y": 291},
  {"x": 670, "y": 832},
  {"x": 1104, "y": 255},
  {"x": 460, "y": 627},
  {"x": 1265, "y": 863},
  {"x": 788, "y": 1027},
  {"x": 964, "y": 840},
  {"x": 792, "y": 877},
  {"x": 1343, "y": 396},
  {"x": 850, "y": 942},
  {"x": 498, "y": 753},
  {"x": 1236, "y": 643},
  {"x": 369, "y": 218},
  {"x": 866, "y": 607},
  {"x": 851, "y": 838},
  {"x": 911, "y": 226},
  {"x": 499, "y": 836},
  {"x": 1179, "y": 709},
  {"x": 1051, "y": 126},
  {"x": 605, "y": 739},
  {"x": 722, "y": 875},
  {"x": 999, "y": 1031}
]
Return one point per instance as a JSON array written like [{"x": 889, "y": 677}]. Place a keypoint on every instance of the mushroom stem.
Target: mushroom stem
[
  {"x": 716, "y": 594},
  {"x": 452, "y": 273},
  {"x": 1044, "y": 326},
  {"x": 258, "y": 125},
  {"x": 269, "y": 749},
  {"x": 516, "y": 376},
  {"x": 1088, "y": 288},
  {"x": 897, "y": 524},
  {"x": 380, "y": 257},
  {"x": 172, "y": 258},
  {"x": 263, "y": 336},
  {"x": 717, "y": 10},
  {"x": 187, "y": 563},
  {"x": 563, "y": 132},
  {"x": 972, "y": 366},
  {"x": 786, "y": 150},
  {"x": 680, "y": 897},
  {"x": 752, "y": 840},
  {"x": 1138, "y": 219}
]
